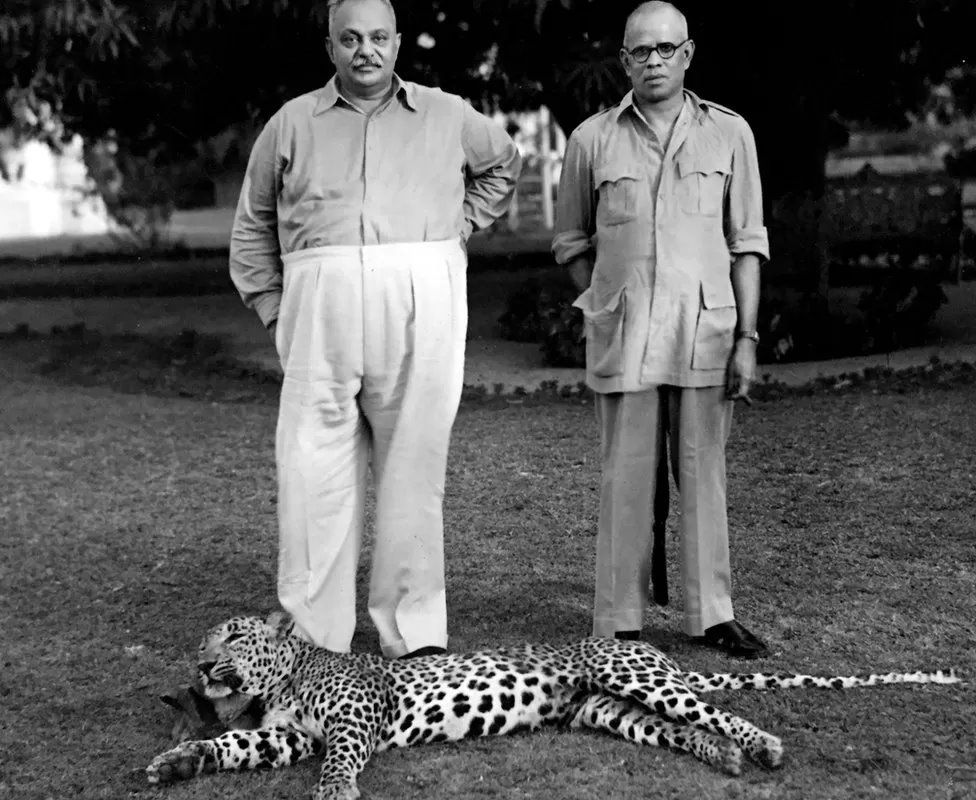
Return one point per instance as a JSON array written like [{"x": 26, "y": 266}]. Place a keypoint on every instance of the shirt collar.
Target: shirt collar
[
  {"x": 623, "y": 105},
  {"x": 693, "y": 102},
  {"x": 329, "y": 95}
]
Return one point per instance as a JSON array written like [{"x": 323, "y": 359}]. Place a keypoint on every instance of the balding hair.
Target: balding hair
[
  {"x": 649, "y": 7},
  {"x": 334, "y": 9}
]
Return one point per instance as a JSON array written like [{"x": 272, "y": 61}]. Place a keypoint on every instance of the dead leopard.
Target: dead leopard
[{"x": 349, "y": 706}]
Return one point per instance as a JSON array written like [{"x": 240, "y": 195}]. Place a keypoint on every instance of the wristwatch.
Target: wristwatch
[{"x": 754, "y": 335}]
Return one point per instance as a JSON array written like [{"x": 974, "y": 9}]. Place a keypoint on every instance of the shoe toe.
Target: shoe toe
[{"x": 735, "y": 640}]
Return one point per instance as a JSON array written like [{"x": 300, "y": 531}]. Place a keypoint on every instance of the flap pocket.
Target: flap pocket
[
  {"x": 717, "y": 294},
  {"x": 611, "y": 173},
  {"x": 701, "y": 182},
  {"x": 585, "y": 304},
  {"x": 617, "y": 186},
  {"x": 714, "y": 332},
  {"x": 703, "y": 164},
  {"x": 603, "y": 328}
]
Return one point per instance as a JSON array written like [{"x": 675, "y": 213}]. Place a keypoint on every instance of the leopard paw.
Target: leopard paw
[
  {"x": 772, "y": 754},
  {"x": 729, "y": 758},
  {"x": 179, "y": 764}
]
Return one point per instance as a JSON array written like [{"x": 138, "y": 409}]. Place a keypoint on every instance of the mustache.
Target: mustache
[{"x": 366, "y": 63}]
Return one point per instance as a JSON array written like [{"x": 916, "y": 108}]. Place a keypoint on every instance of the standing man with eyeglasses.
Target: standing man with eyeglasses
[
  {"x": 659, "y": 221},
  {"x": 349, "y": 244}
]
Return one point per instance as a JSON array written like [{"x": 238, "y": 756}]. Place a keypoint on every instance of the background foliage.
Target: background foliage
[{"x": 181, "y": 70}]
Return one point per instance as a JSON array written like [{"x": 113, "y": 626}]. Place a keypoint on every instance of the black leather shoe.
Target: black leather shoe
[
  {"x": 628, "y": 636},
  {"x": 735, "y": 640},
  {"x": 425, "y": 651}
]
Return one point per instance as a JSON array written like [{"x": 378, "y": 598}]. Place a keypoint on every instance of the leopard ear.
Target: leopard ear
[{"x": 281, "y": 622}]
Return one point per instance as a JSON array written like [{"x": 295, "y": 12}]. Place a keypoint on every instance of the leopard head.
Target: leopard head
[{"x": 246, "y": 655}]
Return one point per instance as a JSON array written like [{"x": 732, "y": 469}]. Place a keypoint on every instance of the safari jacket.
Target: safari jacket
[{"x": 664, "y": 227}]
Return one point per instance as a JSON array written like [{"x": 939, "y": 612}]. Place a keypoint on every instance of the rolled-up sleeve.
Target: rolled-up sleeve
[
  {"x": 575, "y": 205},
  {"x": 493, "y": 165},
  {"x": 255, "y": 253},
  {"x": 744, "y": 229}
]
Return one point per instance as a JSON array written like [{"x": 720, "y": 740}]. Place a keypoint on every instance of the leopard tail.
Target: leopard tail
[{"x": 719, "y": 681}]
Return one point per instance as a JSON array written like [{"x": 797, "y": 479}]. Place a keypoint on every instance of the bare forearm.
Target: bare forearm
[
  {"x": 742, "y": 365},
  {"x": 745, "y": 285}
]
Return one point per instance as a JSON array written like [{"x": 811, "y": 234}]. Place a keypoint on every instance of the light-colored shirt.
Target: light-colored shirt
[
  {"x": 424, "y": 166},
  {"x": 663, "y": 225}
]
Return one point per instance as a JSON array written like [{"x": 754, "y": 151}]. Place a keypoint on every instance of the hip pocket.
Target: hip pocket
[
  {"x": 287, "y": 317},
  {"x": 604, "y": 331},
  {"x": 715, "y": 329}
]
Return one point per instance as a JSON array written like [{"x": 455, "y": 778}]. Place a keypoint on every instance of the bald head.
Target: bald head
[
  {"x": 334, "y": 10},
  {"x": 657, "y": 13},
  {"x": 656, "y": 54}
]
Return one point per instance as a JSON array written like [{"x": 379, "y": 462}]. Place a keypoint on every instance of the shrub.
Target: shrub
[
  {"x": 138, "y": 190},
  {"x": 893, "y": 313},
  {"x": 543, "y": 312},
  {"x": 898, "y": 309},
  {"x": 798, "y": 329}
]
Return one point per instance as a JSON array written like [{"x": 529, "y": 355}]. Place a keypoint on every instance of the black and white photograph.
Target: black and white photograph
[{"x": 531, "y": 399}]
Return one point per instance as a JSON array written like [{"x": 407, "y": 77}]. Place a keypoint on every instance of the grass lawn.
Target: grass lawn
[{"x": 134, "y": 517}]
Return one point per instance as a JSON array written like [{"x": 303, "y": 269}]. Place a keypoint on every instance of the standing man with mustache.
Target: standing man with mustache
[
  {"x": 349, "y": 244},
  {"x": 660, "y": 223}
]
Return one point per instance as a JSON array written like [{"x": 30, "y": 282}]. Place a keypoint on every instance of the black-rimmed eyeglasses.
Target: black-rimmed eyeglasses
[{"x": 666, "y": 50}]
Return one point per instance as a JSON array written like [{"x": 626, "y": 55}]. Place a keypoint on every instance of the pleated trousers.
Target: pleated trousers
[{"x": 371, "y": 341}]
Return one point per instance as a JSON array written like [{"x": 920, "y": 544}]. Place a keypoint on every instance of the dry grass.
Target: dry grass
[{"x": 131, "y": 521}]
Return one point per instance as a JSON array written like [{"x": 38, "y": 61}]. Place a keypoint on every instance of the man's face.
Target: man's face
[
  {"x": 363, "y": 44},
  {"x": 658, "y": 78}
]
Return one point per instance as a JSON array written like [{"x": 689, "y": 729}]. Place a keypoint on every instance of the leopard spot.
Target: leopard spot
[{"x": 497, "y": 724}]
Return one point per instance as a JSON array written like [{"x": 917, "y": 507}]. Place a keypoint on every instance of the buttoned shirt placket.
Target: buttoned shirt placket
[{"x": 660, "y": 270}]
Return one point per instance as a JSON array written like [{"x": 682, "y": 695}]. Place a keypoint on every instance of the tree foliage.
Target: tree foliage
[
  {"x": 185, "y": 69},
  {"x": 52, "y": 47}
]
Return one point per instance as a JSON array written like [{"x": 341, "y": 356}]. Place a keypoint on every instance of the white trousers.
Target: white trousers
[
  {"x": 635, "y": 428},
  {"x": 371, "y": 341}
]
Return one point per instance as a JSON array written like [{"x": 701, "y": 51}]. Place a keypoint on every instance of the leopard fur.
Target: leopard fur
[{"x": 346, "y": 707}]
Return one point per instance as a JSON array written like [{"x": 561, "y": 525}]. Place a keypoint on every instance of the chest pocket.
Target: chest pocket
[
  {"x": 617, "y": 187},
  {"x": 701, "y": 182}
]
